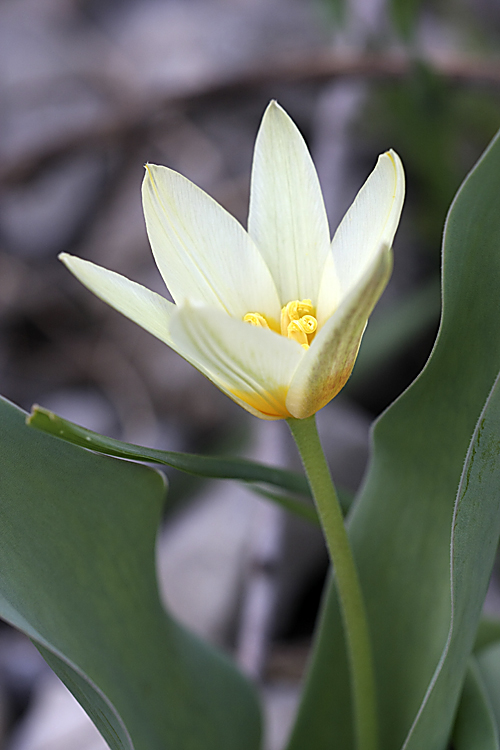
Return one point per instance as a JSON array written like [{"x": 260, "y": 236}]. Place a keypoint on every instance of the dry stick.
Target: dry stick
[{"x": 139, "y": 116}]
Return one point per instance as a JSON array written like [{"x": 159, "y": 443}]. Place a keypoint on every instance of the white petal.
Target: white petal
[
  {"x": 148, "y": 309},
  {"x": 329, "y": 361},
  {"x": 369, "y": 224},
  {"x": 203, "y": 253},
  {"x": 252, "y": 365},
  {"x": 329, "y": 291},
  {"x": 287, "y": 217}
]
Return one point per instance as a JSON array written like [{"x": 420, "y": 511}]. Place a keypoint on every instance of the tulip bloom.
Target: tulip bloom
[{"x": 273, "y": 316}]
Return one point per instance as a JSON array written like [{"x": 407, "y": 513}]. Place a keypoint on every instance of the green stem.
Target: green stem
[{"x": 352, "y": 606}]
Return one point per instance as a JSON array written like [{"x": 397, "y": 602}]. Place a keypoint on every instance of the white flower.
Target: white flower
[{"x": 273, "y": 316}]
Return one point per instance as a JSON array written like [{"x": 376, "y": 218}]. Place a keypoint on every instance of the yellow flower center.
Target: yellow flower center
[{"x": 298, "y": 321}]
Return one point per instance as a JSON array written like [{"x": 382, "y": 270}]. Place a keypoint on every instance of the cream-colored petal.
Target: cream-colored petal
[
  {"x": 204, "y": 255},
  {"x": 329, "y": 291},
  {"x": 369, "y": 224},
  {"x": 252, "y": 365},
  {"x": 148, "y": 309},
  {"x": 329, "y": 361},
  {"x": 287, "y": 217}
]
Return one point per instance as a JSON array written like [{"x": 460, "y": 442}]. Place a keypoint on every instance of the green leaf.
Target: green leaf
[
  {"x": 203, "y": 466},
  {"x": 77, "y": 555},
  {"x": 297, "y": 507},
  {"x": 489, "y": 667},
  {"x": 474, "y": 542},
  {"x": 487, "y": 633},
  {"x": 302, "y": 508},
  {"x": 475, "y": 726},
  {"x": 401, "y": 525}
]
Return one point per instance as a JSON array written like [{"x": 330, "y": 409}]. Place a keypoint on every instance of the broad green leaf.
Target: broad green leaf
[
  {"x": 203, "y": 466},
  {"x": 77, "y": 555},
  {"x": 489, "y": 667},
  {"x": 488, "y": 633},
  {"x": 401, "y": 525},
  {"x": 474, "y": 542},
  {"x": 475, "y": 726}
]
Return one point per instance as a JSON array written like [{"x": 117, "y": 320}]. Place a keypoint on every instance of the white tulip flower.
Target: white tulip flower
[{"x": 273, "y": 316}]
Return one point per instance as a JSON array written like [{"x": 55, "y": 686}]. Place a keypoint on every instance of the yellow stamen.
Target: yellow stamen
[
  {"x": 308, "y": 324},
  {"x": 294, "y": 311},
  {"x": 298, "y": 321},
  {"x": 256, "y": 319},
  {"x": 296, "y": 333}
]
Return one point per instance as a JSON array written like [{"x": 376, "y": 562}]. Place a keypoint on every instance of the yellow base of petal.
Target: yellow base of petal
[{"x": 268, "y": 406}]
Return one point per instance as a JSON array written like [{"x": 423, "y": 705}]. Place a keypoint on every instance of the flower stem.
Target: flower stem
[{"x": 352, "y": 606}]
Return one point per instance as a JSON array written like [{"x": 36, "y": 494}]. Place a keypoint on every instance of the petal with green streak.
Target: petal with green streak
[
  {"x": 287, "y": 217},
  {"x": 204, "y": 255},
  {"x": 252, "y": 365},
  {"x": 329, "y": 361},
  {"x": 369, "y": 225},
  {"x": 146, "y": 308}
]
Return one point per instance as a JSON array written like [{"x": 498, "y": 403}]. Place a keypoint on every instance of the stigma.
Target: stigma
[{"x": 298, "y": 321}]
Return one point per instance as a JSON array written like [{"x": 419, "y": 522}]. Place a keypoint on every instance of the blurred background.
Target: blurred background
[{"x": 91, "y": 90}]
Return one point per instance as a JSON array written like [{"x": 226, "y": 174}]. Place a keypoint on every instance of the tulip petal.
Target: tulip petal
[
  {"x": 369, "y": 224},
  {"x": 329, "y": 292},
  {"x": 287, "y": 217},
  {"x": 204, "y": 255},
  {"x": 144, "y": 307},
  {"x": 328, "y": 363},
  {"x": 252, "y": 365}
]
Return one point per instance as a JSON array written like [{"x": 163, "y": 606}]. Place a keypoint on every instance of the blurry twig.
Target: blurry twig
[{"x": 136, "y": 117}]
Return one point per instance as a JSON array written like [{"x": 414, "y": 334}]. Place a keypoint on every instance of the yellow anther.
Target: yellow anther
[
  {"x": 256, "y": 319},
  {"x": 305, "y": 307},
  {"x": 296, "y": 333},
  {"x": 294, "y": 310},
  {"x": 308, "y": 323},
  {"x": 298, "y": 321}
]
